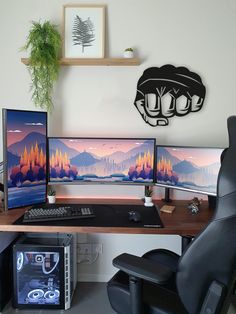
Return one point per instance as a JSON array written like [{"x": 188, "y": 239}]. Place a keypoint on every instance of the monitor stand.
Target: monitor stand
[
  {"x": 212, "y": 202},
  {"x": 167, "y": 198}
]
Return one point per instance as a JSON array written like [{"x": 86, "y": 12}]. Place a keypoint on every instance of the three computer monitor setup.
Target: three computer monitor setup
[{"x": 32, "y": 160}]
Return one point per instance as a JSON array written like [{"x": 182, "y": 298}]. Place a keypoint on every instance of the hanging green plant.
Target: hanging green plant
[{"x": 44, "y": 42}]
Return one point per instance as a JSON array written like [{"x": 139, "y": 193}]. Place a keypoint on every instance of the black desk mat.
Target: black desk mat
[{"x": 106, "y": 215}]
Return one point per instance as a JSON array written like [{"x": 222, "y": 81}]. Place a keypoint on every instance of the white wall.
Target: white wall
[{"x": 98, "y": 101}]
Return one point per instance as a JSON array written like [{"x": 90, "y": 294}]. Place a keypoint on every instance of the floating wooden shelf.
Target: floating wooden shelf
[{"x": 95, "y": 61}]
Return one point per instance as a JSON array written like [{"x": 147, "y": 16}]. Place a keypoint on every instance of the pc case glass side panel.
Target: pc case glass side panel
[
  {"x": 38, "y": 277},
  {"x": 188, "y": 168},
  {"x": 25, "y": 134},
  {"x": 101, "y": 160}
]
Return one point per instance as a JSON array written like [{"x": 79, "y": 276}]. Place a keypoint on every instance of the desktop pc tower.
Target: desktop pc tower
[
  {"x": 44, "y": 271},
  {"x": 7, "y": 240}
]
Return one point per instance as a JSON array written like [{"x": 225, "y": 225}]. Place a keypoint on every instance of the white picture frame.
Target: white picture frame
[{"x": 83, "y": 31}]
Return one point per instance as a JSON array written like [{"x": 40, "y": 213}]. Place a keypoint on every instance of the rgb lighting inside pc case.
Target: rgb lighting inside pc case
[{"x": 44, "y": 269}]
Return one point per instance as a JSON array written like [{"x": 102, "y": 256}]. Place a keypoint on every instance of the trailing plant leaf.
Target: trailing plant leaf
[{"x": 44, "y": 43}]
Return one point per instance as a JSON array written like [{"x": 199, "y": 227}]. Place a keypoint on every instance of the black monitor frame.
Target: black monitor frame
[
  {"x": 168, "y": 187},
  {"x": 5, "y": 158},
  {"x": 131, "y": 183}
]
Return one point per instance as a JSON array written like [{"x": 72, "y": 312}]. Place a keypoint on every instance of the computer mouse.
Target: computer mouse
[{"x": 134, "y": 216}]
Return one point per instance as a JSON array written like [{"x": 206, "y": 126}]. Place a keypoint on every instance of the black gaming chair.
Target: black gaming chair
[{"x": 201, "y": 281}]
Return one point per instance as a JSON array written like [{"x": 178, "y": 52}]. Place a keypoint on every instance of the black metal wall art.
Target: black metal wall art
[{"x": 166, "y": 92}]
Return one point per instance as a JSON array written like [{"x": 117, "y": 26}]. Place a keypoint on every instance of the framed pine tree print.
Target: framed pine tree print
[{"x": 84, "y": 31}]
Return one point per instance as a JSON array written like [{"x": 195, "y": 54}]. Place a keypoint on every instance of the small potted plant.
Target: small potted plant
[
  {"x": 129, "y": 53},
  {"x": 51, "y": 195},
  {"x": 148, "y": 196}
]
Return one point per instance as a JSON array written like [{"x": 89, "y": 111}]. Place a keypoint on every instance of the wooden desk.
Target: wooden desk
[{"x": 180, "y": 222}]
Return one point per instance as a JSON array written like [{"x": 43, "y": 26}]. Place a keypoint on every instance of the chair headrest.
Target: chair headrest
[
  {"x": 226, "y": 186},
  {"x": 231, "y": 122}
]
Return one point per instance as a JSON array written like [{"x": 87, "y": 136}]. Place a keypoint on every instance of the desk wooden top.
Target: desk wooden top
[{"x": 180, "y": 222}]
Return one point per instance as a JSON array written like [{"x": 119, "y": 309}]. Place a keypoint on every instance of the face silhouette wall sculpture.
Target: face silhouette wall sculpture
[{"x": 168, "y": 91}]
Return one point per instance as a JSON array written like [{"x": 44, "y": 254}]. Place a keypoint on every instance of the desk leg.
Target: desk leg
[{"x": 185, "y": 241}]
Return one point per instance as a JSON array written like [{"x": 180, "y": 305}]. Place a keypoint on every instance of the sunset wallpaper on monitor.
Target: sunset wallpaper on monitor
[
  {"x": 101, "y": 160},
  {"x": 190, "y": 168},
  {"x": 24, "y": 157}
]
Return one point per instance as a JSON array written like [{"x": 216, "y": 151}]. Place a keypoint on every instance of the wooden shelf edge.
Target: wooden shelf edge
[{"x": 95, "y": 61}]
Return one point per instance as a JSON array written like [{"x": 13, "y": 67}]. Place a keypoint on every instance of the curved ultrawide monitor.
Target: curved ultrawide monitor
[
  {"x": 101, "y": 160},
  {"x": 192, "y": 169}
]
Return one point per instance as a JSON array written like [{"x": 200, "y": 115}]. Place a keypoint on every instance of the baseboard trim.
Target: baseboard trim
[{"x": 94, "y": 277}]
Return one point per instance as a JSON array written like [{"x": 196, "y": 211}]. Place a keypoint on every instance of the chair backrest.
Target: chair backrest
[{"x": 212, "y": 255}]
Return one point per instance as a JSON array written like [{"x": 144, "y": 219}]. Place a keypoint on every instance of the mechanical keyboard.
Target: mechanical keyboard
[{"x": 57, "y": 212}]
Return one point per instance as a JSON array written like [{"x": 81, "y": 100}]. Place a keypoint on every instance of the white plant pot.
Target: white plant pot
[
  {"x": 128, "y": 54},
  {"x": 148, "y": 201},
  {"x": 51, "y": 199}
]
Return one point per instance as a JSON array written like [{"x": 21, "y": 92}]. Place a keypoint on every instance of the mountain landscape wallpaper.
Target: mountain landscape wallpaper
[
  {"x": 101, "y": 160},
  {"x": 25, "y": 137},
  {"x": 189, "y": 168}
]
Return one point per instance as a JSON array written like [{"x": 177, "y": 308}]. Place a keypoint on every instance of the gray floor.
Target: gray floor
[
  {"x": 232, "y": 309},
  {"x": 89, "y": 298}
]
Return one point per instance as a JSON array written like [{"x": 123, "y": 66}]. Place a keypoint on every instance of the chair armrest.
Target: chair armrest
[
  {"x": 142, "y": 268},
  {"x": 214, "y": 298}
]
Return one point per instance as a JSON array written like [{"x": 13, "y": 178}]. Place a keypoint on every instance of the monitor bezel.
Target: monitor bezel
[
  {"x": 131, "y": 183},
  {"x": 5, "y": 159},
  {"x": 183, "y": 188}
]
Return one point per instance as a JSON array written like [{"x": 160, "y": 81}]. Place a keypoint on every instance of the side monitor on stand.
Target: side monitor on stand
[
  {"x": 192, "y": 169},
  {"x": 211, "y": 199}
]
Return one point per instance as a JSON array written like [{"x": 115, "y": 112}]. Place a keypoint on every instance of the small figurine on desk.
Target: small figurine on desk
[{"x": 194, "y": 205}]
